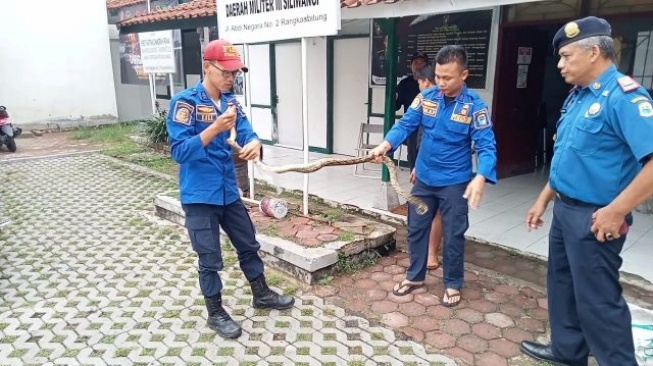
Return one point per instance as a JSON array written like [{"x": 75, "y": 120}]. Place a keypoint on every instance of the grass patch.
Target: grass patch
[
  {"x": 290, "y": 290},
  {"x": 355, "y": 263},
  {"x": 114, "y": 133},
  {"x": 333, "y": 215},
  {"x": 274, "y": 280},
  {"x": 347, "y": 236},
  {"x": 325, "y": 280}
]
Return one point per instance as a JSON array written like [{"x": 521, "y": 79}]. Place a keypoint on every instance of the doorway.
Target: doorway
[
  {"x": 191, "y": 56},
  {"x": 527, "y": 88}
]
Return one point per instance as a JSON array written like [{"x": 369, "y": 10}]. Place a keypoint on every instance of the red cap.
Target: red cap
[{"x": 225, "y": 53}]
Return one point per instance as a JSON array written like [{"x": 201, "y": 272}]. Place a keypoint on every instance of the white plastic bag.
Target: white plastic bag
[{"x": 642, "y": 327}]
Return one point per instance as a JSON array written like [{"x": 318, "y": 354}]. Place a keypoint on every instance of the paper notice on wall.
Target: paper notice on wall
[
  {"x": 524, "y": 55},
  {"x": 522, "y": 76}
]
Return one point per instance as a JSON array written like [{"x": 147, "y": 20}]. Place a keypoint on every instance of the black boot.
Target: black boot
[
  {"x": 219, "y": 320},
  {"x": 264, "y": 298}
]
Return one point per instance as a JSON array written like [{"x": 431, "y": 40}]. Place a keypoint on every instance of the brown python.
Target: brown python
[{"x": 421, "y": 207}]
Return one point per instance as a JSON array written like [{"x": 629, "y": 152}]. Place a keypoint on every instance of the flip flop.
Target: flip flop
[
  {"x": 403, "y": 284},
  {"x": 435, "y": 266},
  {"x": 449, "y": 296}
]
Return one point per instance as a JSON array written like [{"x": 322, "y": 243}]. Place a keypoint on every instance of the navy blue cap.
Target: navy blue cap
[
  {"x": 579, "y": 29},
  {"x": 421, "y": 55}
]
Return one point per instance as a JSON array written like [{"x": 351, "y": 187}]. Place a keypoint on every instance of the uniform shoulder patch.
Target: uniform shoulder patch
[
  {"x": 627, "y": 84},
  {"x": 416, "y": 102},
  {"x": 182, "y": 112},
  {"x": 482, "y": 119},
  {"x": 645, "y": 109}
]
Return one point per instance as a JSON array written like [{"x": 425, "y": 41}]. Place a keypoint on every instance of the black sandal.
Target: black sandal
[
  {"x": 403, "y": 284},
  {"x": 449, "y": 296}
]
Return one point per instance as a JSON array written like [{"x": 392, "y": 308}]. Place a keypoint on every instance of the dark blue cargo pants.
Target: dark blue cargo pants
[
  {"x": 203, "y": 223},
  {"x": 449, "y": 200},
  {"x": 586, "y": 308}
]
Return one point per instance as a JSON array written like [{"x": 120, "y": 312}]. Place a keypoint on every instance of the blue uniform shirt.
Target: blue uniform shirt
[
  {"x": 604, "y": 134},
  {"x": 444, "y": 156},
  {"x": 207, "y": 173}
]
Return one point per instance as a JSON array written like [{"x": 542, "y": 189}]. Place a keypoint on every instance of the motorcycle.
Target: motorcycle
[{"x": 8, "y": 133}]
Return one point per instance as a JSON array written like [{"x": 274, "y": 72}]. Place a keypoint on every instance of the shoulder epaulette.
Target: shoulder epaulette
[{"x": 627, "y": 84}]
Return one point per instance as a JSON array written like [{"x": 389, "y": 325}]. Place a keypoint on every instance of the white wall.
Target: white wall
[
  {"x": 259, "y": 86},
  {"x": 134, "y": 101},
  {"x": 57, "y": 63},
  {"x": 317, "y": 94}
]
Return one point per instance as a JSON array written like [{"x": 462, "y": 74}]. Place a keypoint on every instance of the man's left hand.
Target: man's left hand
[
  {"x": 606, "y": 223},
  {"x": 251, "y": 151},
  {"x": 474, "y": 191}
]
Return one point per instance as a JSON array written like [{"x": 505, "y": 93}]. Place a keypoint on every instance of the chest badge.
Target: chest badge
[
  {"x": 430, "y": 108},
  {"x": 462, "y": 115},
  {"x": 594, "y": 109},
  {"x": 206, "y": 113}
]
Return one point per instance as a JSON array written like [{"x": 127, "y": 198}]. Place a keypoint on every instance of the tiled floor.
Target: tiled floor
[{"x": 500, "y": 219}]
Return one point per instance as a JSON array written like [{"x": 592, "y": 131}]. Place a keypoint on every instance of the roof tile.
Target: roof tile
[
  {"x": 193, "y": 9},
  {"x": 116, "y": 4}
]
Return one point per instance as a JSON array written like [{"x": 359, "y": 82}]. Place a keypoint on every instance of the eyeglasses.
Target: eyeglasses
[{"x": 227, "y": 73}]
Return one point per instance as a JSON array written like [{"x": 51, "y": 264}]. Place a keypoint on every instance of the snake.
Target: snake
[{"x": 420, "y": 206}]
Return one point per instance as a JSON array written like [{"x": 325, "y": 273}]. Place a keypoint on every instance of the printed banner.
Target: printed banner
[
  {"x": 157, "y": 52},
  {"x": 428, "y": 33},
  {"x": 131, "y": 63},
  {"x": 254, "y": 21}
]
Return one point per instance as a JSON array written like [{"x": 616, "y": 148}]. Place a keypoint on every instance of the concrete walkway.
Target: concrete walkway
[{"x": 90, "y": 277}]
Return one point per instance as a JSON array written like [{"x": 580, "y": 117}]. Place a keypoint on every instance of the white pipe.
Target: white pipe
[
  {"x": 248, "y": 103},
  {"x": 153, "y": 92},
  {"x": 305, "y": 117}
]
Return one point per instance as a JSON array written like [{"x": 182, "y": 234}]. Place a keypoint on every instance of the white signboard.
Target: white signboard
[
  {"x": 251, "y": 21},
  {"x": 157, "y": 52}
]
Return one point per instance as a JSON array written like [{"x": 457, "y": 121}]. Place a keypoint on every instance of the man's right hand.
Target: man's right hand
[
  {"x": 227, "y": 120},
  {"x": 380, "y": 151},
  {"x": 534, "y": 216}
]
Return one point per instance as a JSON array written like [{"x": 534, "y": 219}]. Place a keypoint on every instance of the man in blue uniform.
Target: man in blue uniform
[
  {"x": 407, "y": 90},
  {"x": 199, "y": 123},
  {"x": 600, "y": 172},
  {"x": 451, "y": 117}
]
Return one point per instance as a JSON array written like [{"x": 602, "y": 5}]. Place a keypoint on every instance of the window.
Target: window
[
  {"x": 163, "y": 81},
  {"x": 643, "y": 66}
]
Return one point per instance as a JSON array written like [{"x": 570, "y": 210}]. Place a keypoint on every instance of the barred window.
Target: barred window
[{"x": 643, "y": 66}]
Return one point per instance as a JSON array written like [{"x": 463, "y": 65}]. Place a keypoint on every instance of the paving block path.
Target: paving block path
[{"x": 88, "y": 277}]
